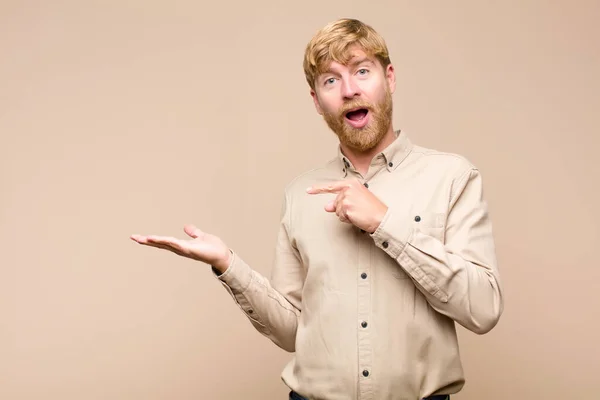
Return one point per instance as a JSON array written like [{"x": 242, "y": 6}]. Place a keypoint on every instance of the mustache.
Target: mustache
[{"x": 354, "y": 105}]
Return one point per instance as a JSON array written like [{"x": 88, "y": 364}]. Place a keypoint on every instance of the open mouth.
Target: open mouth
[
  {"x": 357, "y": 115},
  {"x": 358, "y": 118}
]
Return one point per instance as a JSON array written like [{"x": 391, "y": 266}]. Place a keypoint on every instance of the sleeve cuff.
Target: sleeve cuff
[
  {"x": 237, "y": 276},
  {"x": 392, "y": 234}
]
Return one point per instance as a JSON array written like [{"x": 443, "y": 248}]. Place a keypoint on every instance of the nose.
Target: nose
[{"x": 349, "y": 88}]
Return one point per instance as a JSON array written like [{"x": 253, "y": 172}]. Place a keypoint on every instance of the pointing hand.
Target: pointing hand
[{"x": 353, "y": 204}]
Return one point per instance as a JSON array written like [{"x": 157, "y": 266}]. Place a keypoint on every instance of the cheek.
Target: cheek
[
  {"x": 329, "y": 106},
  {"x": 375, "y": 91}
]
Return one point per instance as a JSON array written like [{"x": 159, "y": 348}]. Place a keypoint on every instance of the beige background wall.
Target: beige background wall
[{"x": 120, "y": 117}]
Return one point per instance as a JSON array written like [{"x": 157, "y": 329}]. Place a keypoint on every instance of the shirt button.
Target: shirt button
[
  {"x": 391, "y": 164},
  {"x": 363, "y": 275},
  {"x": 385, "y": 245},
  {"x": 250, "y": 311},
  {"x": 417, "y": 218},
  {"x": 365, "y": 373},
  {"x": 364, "y": 324},
  {"x": 366, "y": 185}
]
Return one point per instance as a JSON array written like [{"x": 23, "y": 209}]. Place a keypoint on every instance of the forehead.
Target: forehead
[
  {"x": 351, "y": 57},
  {"x": 355, "y": 51}
]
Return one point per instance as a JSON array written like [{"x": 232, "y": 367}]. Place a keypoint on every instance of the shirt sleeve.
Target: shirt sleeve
[
  {"x": 272, "y": 306},
  {"x": 458, "y": 274}
]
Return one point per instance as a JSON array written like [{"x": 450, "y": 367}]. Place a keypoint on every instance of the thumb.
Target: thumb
[
  {"x": 330, "y": 207},
  {"x": 192, "y": 231}
]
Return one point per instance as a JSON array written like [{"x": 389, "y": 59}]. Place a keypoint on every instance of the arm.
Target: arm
[
  {"x": 459, "y": 277},
  {"x": 272, "y": 307}
]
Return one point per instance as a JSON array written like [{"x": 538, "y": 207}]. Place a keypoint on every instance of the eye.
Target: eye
[
  {"x": 363, "y": 71},
  {"x": 330, "y": 81}
]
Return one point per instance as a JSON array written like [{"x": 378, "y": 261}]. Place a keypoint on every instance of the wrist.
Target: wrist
[
  {"x": 378, "y": 219},
  {"x": 224, "y": 263}
]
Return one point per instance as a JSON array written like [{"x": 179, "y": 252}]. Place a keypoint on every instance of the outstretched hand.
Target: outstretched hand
[
  {"x": 202, "y": 247},
  {"x": 354, "y": 203}
]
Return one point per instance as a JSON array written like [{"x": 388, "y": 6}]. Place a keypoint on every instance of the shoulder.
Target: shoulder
[
  {"x": 447, "y": 163},
  {"x": 295, "y": 190},
  {"x": 328, "y": 172},
  {"x": 452, "y": 170}
]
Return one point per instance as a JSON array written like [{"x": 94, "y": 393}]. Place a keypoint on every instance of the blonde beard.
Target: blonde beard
[{"x": 363, "y": 139}]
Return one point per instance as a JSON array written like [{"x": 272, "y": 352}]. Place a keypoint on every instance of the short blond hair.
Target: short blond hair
[{"x": 331, "y": 43}]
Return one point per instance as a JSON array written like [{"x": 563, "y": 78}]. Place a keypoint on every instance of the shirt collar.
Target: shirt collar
[{"x": 390, "y": 158}]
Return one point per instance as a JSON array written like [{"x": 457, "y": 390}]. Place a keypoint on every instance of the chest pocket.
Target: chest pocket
[
  {"x": 431, "y": 224},
  {"x": 428, "y": 223}
]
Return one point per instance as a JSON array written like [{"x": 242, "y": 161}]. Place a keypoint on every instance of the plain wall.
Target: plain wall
[{"x": 121, "y": 117}]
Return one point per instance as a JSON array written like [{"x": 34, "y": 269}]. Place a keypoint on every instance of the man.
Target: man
[{"x": 380, "y": 251}]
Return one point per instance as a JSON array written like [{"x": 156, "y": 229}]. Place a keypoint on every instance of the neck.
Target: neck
[{"x": 362, "y": 159}]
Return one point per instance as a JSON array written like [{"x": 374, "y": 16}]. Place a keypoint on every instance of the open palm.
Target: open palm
[{"x": 202, "y": 247}]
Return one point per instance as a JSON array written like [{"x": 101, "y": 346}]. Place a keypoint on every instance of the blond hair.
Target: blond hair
[{"x": 331, "y": 43}]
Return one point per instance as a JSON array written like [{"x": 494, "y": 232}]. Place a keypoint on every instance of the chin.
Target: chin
[{"x": 361, "y": 145}]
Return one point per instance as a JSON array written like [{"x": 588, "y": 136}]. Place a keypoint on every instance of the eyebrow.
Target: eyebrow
[
  {"x": 360, "y": 61},
  {"x": 354, "y": 63}
]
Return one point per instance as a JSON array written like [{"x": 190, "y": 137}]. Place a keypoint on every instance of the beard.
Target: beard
[{"x": 366, "y": 138}]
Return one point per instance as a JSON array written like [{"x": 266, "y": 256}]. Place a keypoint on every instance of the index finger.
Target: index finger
[{"x": 334, "y": 187}]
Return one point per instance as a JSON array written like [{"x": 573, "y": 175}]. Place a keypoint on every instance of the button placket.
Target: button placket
[{"x": 365, "y": 345}]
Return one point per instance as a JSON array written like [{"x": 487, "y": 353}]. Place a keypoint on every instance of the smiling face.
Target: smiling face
[{"x": 355, "y": 99}]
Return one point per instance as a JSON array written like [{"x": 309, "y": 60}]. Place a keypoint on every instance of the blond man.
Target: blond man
[{"x": 380, "y": 252}]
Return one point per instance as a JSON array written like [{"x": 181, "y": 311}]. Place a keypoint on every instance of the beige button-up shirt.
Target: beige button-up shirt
[{"x": 372, "y": 316}]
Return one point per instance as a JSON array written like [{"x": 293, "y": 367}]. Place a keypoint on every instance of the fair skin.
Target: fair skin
[{"x": 363, "y": 77}]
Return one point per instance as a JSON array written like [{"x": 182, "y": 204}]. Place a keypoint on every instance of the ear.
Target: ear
[
  {"x": 316, "y": 101},
  {"x": 390, "y": 76}
]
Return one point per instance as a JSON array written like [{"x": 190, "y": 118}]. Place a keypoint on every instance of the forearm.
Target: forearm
[
  {"x": 450, "y": 256},
  {"x": 267, "y": 309},
  {"x": 465, "y": 291}
]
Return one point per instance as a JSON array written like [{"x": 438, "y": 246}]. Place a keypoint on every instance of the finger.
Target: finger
[
  {"x": 165, "y": 247},
  {"x": 165, "y": 241},
  {"x": 168, "y": 243},
  {"x": 155, "y": 241},
  {"x": 330, "y": 207},
  {"x": 339, "y": 203},
  {"x": 138, "y": 238},
  {"x": 152, "y": 238},
  {"x": 342, "y": 216},
  {"x": 334, "y": 204},
  {"x": 341, "y": 208},
  {"x": 334, "y": 187},
  {"x": 339, "y": 211},
  {"x": 192, "y": 231}
]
